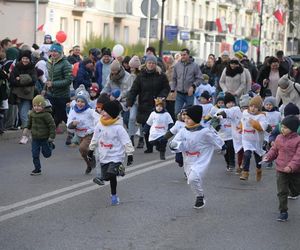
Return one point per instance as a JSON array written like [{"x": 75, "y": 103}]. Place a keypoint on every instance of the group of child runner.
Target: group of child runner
[{"x": 234, "y": 127}]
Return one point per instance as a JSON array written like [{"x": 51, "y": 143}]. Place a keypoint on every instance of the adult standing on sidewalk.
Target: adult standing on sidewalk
[
  {"x": 58, "y": 83},
  {"x": 186, "y": 78}
]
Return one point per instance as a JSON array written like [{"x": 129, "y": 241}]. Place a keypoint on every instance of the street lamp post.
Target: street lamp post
[
  {"x": 162, "y": 29},
  {"x": 36, "y": 20},
  {"x": 260, "y": 28}
]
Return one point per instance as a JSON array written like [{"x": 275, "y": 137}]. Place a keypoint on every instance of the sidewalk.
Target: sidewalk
[{"x": 11, "y": 135}]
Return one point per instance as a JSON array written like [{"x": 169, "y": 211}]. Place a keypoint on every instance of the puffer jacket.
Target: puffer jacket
[
  {"x": 60, "y": 74},
  {"x": 147, "y": 86},
  {"x": 41, "y": 124},
  {"x": 286, "y": 151}
]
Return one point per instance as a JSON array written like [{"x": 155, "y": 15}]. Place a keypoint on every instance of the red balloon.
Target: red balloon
[{"x": 61, "y": 36}]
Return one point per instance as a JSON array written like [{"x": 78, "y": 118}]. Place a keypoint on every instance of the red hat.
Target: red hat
[{"x": 94, "y": 88}]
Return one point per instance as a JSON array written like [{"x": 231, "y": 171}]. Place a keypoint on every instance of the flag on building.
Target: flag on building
[
  {"x": 257, "y": 6},
  {"x": 278, "y": 14},
  {"x": 40, "y": 28},
  {"x": 221, "y": 24}
]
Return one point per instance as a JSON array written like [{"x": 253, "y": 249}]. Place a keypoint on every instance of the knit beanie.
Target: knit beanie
[
  {"x": 112, "y": 108},
  {"x": 292, "y": 122},
  {"x": 205, "y": 77},
  {"x": 255, "y": 87},
  {"x": 80, "y": 88},
  {"x": 83, "y": 95},
  {"x": 25, "y": 53},
  {"x": 228, "y": 98},
  {"x": 115, "y": 66},
  {"x": 48, "y": 37},
  {"x": 12, "y": 53},
  {"x": 56, "y": 47},
  {"x": 220, "y": 97},
  {"x": 256, "y": 101},
  {"x": 195, "y": 113},
  {"x": 135, "y": 62},
  {"x": 151, "y": 58},
  {"x": 205, "y": 95},
  {"x": 291, "y": 109},
  {"x": 94, "y": 87},
  {"x": 39, "y": 101},
  {"x": 284, "y": 82},
  {"x": 270, "y": 100},
  {"x": 244, "y": 101},
  {"x": 160, "y": 101}
]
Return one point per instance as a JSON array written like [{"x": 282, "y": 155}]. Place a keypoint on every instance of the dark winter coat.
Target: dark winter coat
[
  {"x": 147, "y": 86},
  {"x": 84, "y": 76},
  {"x": 74, "y": 59}
]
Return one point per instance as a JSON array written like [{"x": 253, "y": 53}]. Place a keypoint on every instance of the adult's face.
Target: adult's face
[
  {"x": 210, "y": 61},
  {"x": 76, "y": 51},
  {"x": 233, "y": 65},
  {"x": 225, "y": 58},
  {"x": 90, "y": 66},
  {"x": 184, "y": 56},
  {"x": 55, "y": 54},
  {"x": 106, "y": 59},
  {"x": 274, "y": 66},
  {"x": 150, "y": 65}
]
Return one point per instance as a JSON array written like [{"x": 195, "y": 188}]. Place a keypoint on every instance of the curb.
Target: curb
[{"x": 11, "y": 135}]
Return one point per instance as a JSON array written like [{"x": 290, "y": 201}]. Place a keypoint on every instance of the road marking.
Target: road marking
[
  {"x": 28, "y": 209},
  {"x": 78, "y": 185}
]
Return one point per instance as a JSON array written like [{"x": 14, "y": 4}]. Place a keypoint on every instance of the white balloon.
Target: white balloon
[{"x": 118, "y": 50}]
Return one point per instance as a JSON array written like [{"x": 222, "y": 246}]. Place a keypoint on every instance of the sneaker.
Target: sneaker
[
  {"x": 115, "y": 200},
  {"x": 180, "y": 165},
  {"x": 162, "y": 155},
  {"x": 229, "y": 168},
  {"x": 36, "y": 172},
  {"x": 121, "y": 170},
  {"x": 51, "y": 145},
  {"x": 283, "y": 216},
  {"x": 98, "y": 181},
  {"x": 88, "y": 170},
  {"x": 200, "y": 202},
  {"x": 293, "y": 197},
  {"x": 24, "y": 139},
  {"x": 148, "y": 151}
]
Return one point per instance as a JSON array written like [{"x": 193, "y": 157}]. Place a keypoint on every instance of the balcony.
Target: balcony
[
  {"x": 210, "y": 26},
  {"x": 81, "y": 5},
  {"x": 122, "y": 8}
]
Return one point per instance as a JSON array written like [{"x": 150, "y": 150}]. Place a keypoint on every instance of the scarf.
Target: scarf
[
  {"x": 77, "y": 110},
  {"x": 116, "y": 78},
  {"x": 195, "y": 127},
  {"x": 233, "y": 72},
  {"x": 108, "y": 122}
]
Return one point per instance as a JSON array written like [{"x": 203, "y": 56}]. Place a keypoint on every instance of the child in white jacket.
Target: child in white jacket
[
  {"x": 197, "y": 145},
  {"x": 112, "y": 143}
]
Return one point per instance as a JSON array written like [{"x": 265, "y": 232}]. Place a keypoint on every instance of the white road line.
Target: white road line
[
  {"x": 62, "y": 190},
  {"x": 76, "y": 193}
]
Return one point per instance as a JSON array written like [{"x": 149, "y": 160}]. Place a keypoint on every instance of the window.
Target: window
[
  {"x": 126, "y": 34},
  {"x": 64, "y": 24},
  {"x": 117, "y": 32},
  {"x": 76, "y": 31},
  {"x": 106, "y": 30},
  {"x": 89, "y": 30}
]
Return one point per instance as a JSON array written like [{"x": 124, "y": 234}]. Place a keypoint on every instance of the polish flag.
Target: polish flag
[
  {"x": 14, "y": 41},
  {"x": 41, "y": 28},
  {"x": 230, "y": 27},
  {"x": 258, "y": 6},
  {"x": 279, "y": 15},
  {"x": 221, "y": 25}
]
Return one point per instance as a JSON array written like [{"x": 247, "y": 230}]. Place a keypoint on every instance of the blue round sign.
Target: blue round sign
[{"x": 240, "y": 45}]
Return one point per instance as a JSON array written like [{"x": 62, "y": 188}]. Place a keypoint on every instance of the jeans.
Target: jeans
[
  {"x": 125, "y": 116},
  {"x": 38, "y": 145},
  {"x": 59, "y": 109},
  {"x": 182, "y": 100},
  {"x": 247, "y": 157},
  {"x": 132, "y": 120},
  {"x": 24, "y": 106}
]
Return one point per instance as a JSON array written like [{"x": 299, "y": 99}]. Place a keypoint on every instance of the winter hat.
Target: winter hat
[
  {"x": 292, "y": 122},
  {"x": 228, "y": 98},
  {"x": 195, "y": 113},
  {"x": 151, "y": 58},
  {"x": 256, "y": 101},
  {"x": 239, "y": 55},
  {"x": 48, "y": 37},
  {"x": 39, "y": 101},
  {"x": 116, "y": 93},
  {"x": 36, "y": 54},
  {"x": 94, "y": 87},
  {"x": 80, "y": 88},
  {"x": 220, "y": 97},
  {"x": 112, "y": 108},
  {"x": 234, "y": 61},
  {"x": 205, "y": 77},
  {"x": 26, "y": 47},
  {"x": 205, "y": 95},
  {"x": 82, "y": 94},
  {"x": 87, "y": 61},
  {"x": 25, "y": 53},
  {"x": 244, "y": 101},
  {"x": 135, "y": 62},
  {"x": 106, "y": 52},
  {"x": 255, "y": 87},
  {"x": 271, "y": 100},
  {"x": 115, "y": 65},
  {"x": 103, "y": 98},
  {"x": 160, "y": 101},
  {"x": 284, "y": 82},
  {"x": 12, "y": 53},
  {"x": 56, "y": 47},
  {"x": 291, "y": 109}
]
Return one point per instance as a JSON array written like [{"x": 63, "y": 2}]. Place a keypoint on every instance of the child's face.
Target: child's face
[
  {"x": 253, "y": 110},
  {"x": 99, "y": 109},
  {"x": 220, "y": 104},
  {"x": 268, "y": 106},
  {"x": 229, "y": 104},
  {"x": 93, "y": 93},
  {"x": 203, "y": 100},
  {"x": 38, "y": 108},
  {"x": 257, "y": 91},
  {"x": 80, "y": 103},
  {"x": 188, "y": 121},
  {"x": 159, "y": 108},
  {"x": 105, "y": 115},
  {"x": 285, "y": 130}
]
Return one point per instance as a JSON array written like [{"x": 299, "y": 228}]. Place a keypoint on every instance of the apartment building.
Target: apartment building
[{"x": 206, "y": 26}]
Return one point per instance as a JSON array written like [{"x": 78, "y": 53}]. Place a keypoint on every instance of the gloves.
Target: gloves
[
  {"x": 90, "y": 155},
  {"x": 173, "y": 145},
  {"x": 129, "y": 160}
]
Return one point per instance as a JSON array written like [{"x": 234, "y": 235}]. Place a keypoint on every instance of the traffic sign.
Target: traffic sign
[
  {"x": 240, "y": 45},
  {"x": 153, "y": 27},
  {"x": 171, "y": 32},
  {"x": 153, "y": 10}
]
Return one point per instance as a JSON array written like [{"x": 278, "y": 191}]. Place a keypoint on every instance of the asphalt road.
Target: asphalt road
[{"x": 63, "y": 209}]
